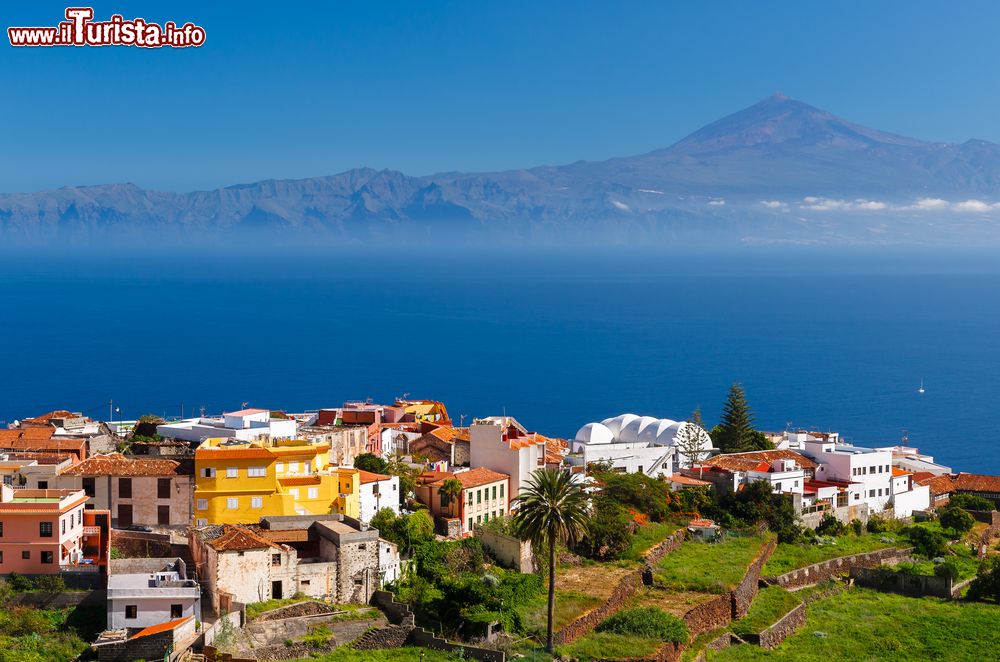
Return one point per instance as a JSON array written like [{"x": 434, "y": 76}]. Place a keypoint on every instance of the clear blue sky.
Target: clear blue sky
[{"x": 300, "y": 89}]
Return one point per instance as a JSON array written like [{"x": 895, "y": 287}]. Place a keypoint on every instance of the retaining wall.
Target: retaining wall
[{"x": 817, "y": 572}]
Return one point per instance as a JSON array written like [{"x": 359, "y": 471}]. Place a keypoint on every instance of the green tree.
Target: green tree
[
  {"x": 691, "y": 440},
  {"x": 957, "y": 520},
  {"x": 551, "y": 508},
  {"x": 450, "y": 492},
  {"x": 736, "y": 433},
  {"x": 370, "y": 462}
]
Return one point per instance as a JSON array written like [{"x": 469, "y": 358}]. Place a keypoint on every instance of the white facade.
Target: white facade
[
  {"x": 144, "y": 599},
  {"x": 500, "y": 443},
  {"x": 388, "y": 562},
  {"x": 243, "y": 426},
  {"x": 378, "y": 494}
]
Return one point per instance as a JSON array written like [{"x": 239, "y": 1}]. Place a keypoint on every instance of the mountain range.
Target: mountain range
[{"x": 778, "y": 171}]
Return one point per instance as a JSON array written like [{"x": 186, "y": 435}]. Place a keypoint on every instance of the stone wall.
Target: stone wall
[
  {"x": 813, "y": 574},
  {"x": 786, "y": 625},
  {"x": 882, "y": 579},
  {"x": 508, "y": 550}
]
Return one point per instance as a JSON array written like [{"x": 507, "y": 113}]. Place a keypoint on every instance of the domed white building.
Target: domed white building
[{"x": 634, "y": 444}]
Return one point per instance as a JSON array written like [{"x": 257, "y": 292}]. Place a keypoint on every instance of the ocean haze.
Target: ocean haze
[
  {"x": 831, "y": 340},
  {"x": 778, "y": 172}
]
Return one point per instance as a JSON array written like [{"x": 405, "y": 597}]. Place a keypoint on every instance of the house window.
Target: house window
[
  {"x": 202, "y": 504},
  {"x": 275, "y": 559},
  {"x": 47, "y": 557},
  {"x": 257, "y": 472},
  {"x": 131, "y": 612},
  {"x": 232, "y": 503},
  {"x": 232, "y": 472},
  {"x": 125, "y": 488},
  {"x": 208, "y": 472},
  {"x": 162, "y": 488},
  {"x": 313, "y": 493},
  {"x": 176, "y": 611},
  {"x": 45, "y": 529},
  {"x": 256, "y": 502}
]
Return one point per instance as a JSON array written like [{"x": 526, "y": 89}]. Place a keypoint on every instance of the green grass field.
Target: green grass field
[
  {"x": 860, "y": 624},
  {"x": 609, "y": 646},
  {"x": 791, "y": 557},
  {"x": 707, "y": 567},
  {"x": 647, "y": 537},
  {"x": 770, "y": 605}
]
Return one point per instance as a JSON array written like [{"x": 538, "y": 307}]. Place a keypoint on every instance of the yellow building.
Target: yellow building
[{"x": 238, "y": 482}]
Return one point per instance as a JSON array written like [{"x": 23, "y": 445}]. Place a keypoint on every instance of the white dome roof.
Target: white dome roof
[
  {"x": 636, "y": 426},
  {"x": 595, "y": 433},
  {"x": 618, "y": 422}
]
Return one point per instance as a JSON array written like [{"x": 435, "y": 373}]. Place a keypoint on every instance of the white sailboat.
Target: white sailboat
[{"x": 921, "y": 389}]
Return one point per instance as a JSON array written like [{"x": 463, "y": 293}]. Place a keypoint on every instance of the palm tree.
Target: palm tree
[
  {"x": 551, "y": 508},
  {"x": 450, "y": 491}
]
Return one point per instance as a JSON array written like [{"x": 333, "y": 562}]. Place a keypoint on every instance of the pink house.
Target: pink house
[{"x": 46, "y": 532}]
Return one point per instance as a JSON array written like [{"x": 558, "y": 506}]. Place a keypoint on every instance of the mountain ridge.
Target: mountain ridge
[{"x": 749, "y": 176}]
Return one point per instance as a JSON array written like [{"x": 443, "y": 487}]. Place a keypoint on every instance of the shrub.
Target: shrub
[
  {"x": 53, "y": 583},
  {"x": 19, "y": 582},
  {"x": 986, "y": 585},
  {"x": 970, "y": 502},
  {"x": 830, "y": 526},
  {"x": 957, "y": 520},
  {"x": 646, "y": 622}
]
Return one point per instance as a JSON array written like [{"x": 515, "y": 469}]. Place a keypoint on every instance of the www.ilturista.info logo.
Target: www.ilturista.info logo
[{"x": 79, "y": 29}]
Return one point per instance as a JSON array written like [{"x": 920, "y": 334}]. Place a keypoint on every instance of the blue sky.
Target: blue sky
[{"x": 297, "y": 89}]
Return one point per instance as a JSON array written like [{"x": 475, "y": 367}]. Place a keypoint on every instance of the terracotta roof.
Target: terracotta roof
[
  {"x": 687, "y": 480},
  {"x": 977, "y": 483},
  {"x": 162, "y": 627},
  {"x": 116, "y": 464},
  {"x": 942, "y": 484},
  {"x": 45, "y": 419},
  {"x": 369, "y": 477},
  {"x": 451, "y": 434},
  {"x": 471, "y": 478},
  {"x": 239, "y": 538},
  {"x": 750, "y": 461}
]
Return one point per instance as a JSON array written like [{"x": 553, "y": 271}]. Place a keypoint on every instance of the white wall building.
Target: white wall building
[
  {"x": 245, "y": 425},
  {"x": 378, "y": 491},
  {"x": 145, "y": 592},
  {"x": 503, "y": 445},
  {"x": 636, "y": 444}
]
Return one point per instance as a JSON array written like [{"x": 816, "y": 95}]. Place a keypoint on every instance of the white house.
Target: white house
[
  {"x": 503, "y": 445},
  {"x": 145, "y": 592},
  {"x": 377, "y": 491},
  {"x": 244, "y": 425}
]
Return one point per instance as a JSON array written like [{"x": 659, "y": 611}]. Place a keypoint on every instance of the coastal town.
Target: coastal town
[{"x": 361, "y": 528}]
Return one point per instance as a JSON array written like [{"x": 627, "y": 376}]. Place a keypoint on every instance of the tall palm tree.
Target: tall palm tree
[
  {"x": 450, "y": 492},
  {"x": 551, "y": 508}
]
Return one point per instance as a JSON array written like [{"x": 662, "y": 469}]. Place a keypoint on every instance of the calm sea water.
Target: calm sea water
[{"x": 825, "y": 341}]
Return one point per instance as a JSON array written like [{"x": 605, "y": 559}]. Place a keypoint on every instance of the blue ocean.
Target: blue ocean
[{"x": 819, "y": 340}]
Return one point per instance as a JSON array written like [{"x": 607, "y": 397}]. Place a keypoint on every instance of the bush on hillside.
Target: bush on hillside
[{"x": 646, "y": 622}]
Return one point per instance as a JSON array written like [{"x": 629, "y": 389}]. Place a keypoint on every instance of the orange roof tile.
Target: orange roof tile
[
  {"x": 977, "y": 483},
  {"x": 369, "y": 477},
  {"x": 239, "y": 538},
  {"x": 161, "y": 627},
  {"x": 749, "y": 461},
  {"x": 471, "y": 478},
  {"x": 116, "y": 464}
]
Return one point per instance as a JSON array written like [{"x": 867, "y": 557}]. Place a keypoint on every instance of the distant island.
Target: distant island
[{"x": 780, "y": 171}]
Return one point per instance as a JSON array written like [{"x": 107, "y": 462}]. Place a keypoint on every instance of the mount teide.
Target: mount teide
[{"x": 753, "y": 176}]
